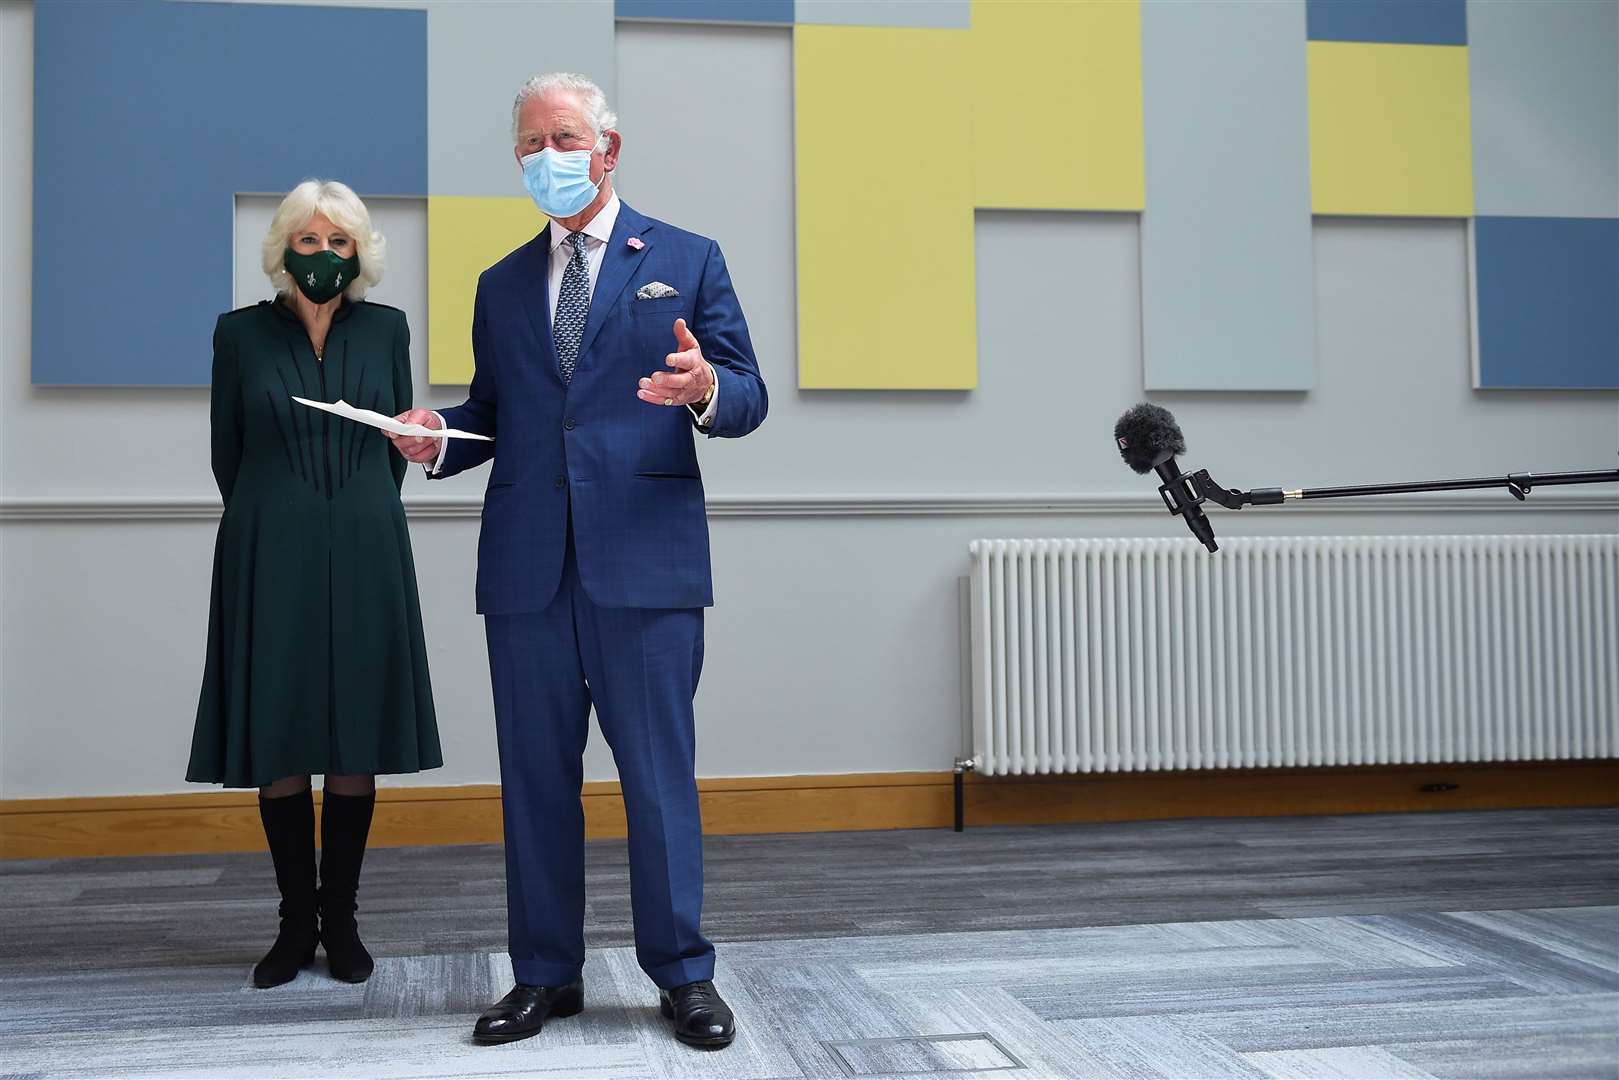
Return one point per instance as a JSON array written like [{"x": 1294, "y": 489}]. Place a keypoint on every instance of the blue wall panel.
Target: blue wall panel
[
  {"x": 1548, "y": 302},
  {"x": 149, "y": 117},
  {"x": 731, "y": 11},
  {"x": 1392, "y": 22},
  {"x": 934, "y": 14}
]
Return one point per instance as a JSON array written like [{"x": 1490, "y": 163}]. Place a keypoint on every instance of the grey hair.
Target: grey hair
[
  {"x": 338, "y": 203},
  {"x": 600, "y": 118}
]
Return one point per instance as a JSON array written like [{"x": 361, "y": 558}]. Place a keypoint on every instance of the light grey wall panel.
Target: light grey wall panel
[
  {"x": 1225, "y": 236},
  {"x": 1545, "y": 105},
  {"x": 478, "y": 53},
  {"x": 712, "y": 152}
]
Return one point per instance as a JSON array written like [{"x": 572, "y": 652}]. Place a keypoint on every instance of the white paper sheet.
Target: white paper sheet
[{"x": 386, "y": 423}]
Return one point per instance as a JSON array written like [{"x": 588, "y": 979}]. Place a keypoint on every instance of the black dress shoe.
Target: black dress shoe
[
  {"x": 701, "y": 1016},
  {"x": 525, "y": 1010}
]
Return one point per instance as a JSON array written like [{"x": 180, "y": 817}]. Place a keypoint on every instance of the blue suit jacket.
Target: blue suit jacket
[{"x": 630, "y": 469}]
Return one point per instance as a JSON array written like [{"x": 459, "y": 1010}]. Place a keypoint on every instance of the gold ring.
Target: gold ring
[{"x": 668, "y": 401}]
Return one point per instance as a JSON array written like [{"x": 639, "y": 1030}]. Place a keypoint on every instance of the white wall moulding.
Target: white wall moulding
[{"x": 968, "y": 504}]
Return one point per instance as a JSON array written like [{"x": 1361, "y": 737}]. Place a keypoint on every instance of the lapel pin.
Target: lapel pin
[{"x": 635, "y": 243}]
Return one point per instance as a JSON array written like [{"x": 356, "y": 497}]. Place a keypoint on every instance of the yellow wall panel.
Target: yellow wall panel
[
  {"x": 465, "y": 236},
  {"x": 1057, "y": 104},
  {"x": 1389, "y": 130},
  {"x": 886, "y": 293}
]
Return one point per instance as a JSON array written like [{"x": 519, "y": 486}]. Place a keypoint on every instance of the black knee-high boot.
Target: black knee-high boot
[
  {"x": 289, "y": 826},
  {"x": 345, "y": 823}
]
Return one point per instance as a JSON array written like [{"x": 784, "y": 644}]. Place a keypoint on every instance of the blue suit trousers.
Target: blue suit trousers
[{"x": 639, "y": 667}]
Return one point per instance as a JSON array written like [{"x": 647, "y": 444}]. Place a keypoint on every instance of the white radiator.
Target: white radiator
[{"x": 1110, "y": 655}]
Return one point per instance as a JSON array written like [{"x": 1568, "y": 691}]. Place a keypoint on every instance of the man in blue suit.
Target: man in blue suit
[{"x": 593, "y": 562}]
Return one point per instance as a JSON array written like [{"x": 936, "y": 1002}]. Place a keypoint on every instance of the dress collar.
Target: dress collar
[{"x": 282, "y": 308}]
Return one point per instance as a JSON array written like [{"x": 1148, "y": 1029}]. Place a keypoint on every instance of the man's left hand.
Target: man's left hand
[{"x": 689, "y": 382}]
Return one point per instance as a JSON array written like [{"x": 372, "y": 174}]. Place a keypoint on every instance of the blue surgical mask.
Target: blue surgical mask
[{"x": 559, "y": 181}]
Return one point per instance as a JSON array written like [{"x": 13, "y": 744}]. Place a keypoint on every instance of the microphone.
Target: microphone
[{"x": 1149, "y": 438}]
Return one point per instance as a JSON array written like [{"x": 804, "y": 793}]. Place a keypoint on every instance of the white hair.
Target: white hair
[
  {"x": 600, "y": 118},
  {"x": 338, "y": 203}
]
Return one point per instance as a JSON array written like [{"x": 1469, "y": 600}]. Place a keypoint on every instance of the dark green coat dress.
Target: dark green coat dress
[{"x": 316, "y": 661}]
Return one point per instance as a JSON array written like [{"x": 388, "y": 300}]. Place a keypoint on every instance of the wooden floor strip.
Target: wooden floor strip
[{"x": 212, "y": 821}]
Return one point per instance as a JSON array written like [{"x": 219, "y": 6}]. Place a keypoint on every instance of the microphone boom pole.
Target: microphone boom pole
[
  {"x": 1149, "y": 440},
  {"x": 1518, "y": 484}
]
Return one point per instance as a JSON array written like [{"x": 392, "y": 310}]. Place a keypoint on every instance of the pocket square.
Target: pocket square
[{"x": 655, "y": 290}]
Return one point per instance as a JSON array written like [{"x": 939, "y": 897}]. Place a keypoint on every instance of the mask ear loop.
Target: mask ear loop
[{"x": 602, "y": 143}]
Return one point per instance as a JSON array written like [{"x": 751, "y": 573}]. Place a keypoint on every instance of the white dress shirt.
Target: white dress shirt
[{"x": 598, "y": 231}]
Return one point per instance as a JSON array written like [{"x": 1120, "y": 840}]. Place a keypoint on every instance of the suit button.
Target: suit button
[
  {"x": 561, "y": 481},
  {"x": 570, "y": 423}
]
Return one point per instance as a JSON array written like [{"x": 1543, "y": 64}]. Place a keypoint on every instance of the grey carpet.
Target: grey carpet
[{"x": 1449, "y": 945}]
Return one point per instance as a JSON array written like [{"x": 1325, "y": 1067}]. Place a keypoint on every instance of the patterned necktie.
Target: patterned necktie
[{"x": 573, "y": 306}]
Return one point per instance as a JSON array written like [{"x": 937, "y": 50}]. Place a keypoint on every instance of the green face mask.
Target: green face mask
[{"x": 322, "y": 275}]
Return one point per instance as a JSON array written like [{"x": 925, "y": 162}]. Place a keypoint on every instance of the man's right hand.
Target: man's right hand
[{"x": 417, "y": 448}]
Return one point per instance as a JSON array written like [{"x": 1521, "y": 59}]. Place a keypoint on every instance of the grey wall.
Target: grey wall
[{"x": 840, "y": 528}]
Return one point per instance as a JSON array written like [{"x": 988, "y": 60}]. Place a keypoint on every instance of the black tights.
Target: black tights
[{"x": 355, "y": 784}]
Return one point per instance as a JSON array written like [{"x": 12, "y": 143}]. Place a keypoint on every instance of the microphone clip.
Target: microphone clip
[
  {"x": 1231, "y": 498},
  {"x": 1183, "y": 493},
  {"x": 1184, "y": 498}
]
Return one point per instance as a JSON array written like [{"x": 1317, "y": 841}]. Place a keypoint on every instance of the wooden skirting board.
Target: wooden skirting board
[{"x": 229, "y": 821}]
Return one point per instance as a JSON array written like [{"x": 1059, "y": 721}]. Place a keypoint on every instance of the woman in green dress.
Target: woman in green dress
[{"x": 316, "y": 661}]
